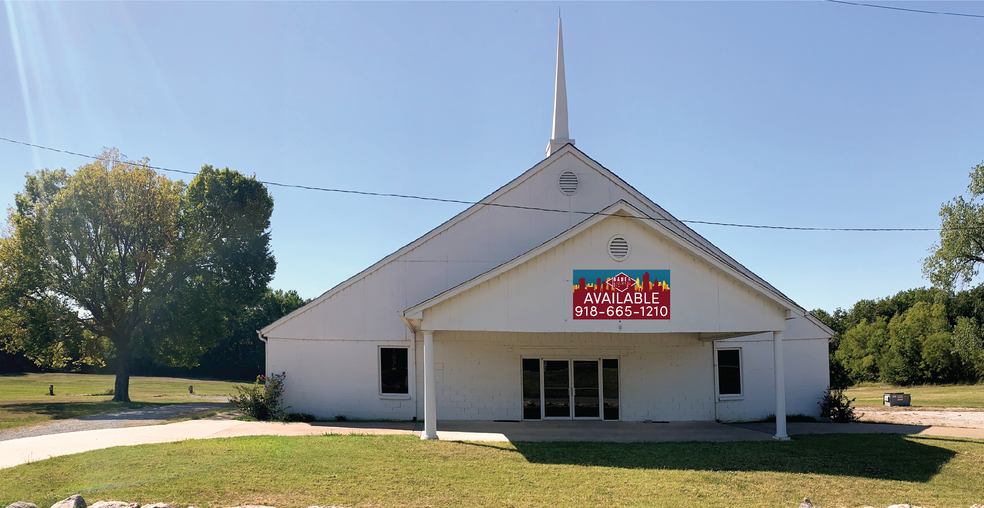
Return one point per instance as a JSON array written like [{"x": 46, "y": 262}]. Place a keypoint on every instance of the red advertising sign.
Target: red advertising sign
[{"x": 621, "y": 294}]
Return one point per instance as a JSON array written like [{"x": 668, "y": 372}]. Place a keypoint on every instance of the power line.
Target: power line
[
  {"x": 500, "y": 205},
  {"x": 920, "y": 11}
]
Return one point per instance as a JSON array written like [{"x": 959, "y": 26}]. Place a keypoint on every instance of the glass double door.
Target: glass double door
[{"x": 566, "y": 389}]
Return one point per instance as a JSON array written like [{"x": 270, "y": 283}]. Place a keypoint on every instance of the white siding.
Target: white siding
[
  {"x": 807, "y": 376},
  {"x": 330, "y": 378}
]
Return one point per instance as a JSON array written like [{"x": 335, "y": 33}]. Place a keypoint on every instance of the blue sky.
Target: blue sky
[{"x": 796, "y": 113}]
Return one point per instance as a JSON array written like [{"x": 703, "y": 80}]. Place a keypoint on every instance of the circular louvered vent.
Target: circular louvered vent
[
  {"x": 618, "y": 248},
  {"x": 568, "y": 183}
]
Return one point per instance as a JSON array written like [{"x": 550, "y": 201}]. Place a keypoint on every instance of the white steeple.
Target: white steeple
[{"x": 560, "y": 135}]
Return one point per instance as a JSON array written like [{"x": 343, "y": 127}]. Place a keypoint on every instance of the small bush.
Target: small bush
[
  {"x": 299, "y": 417},
  {"x": 837, "y": 406},
  {"x": 263, "y": 401},
  {"x": 340, "y": 418}
]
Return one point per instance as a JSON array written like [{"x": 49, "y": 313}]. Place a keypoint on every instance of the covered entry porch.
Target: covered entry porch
[{"x": 571, "y": 378}]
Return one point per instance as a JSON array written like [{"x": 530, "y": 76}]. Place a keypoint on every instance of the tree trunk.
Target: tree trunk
[{"x": 121, "y": 393}]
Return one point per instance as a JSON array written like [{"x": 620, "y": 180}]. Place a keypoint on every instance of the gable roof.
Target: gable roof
[
  {"x": 620, "y": 208},
  {"x": 655, "y": 214}
]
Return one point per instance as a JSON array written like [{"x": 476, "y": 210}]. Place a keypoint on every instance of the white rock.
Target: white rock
[
  {"x": 75, "y": 501},
  {"x": 114, "y": 504},
  {"x": 22, "y": 504}
]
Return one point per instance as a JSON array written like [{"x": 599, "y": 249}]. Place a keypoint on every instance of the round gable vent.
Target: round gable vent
[
  {"x": 618, "y": 248},
  {"x": 568, "y": 183}
]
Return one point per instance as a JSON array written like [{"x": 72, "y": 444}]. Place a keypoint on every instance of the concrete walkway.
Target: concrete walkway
[
  {"x": 20, "y": 451},
  {"x": 127, "y": 418}
]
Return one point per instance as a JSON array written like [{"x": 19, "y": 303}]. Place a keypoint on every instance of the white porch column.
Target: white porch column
[
  {"x": 430, "y": 389},
  {"x": 780, "y": 388}
]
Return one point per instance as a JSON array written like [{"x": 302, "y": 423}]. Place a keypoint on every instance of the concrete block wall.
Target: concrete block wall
[
  {"x": 665, "y": 377},
  {"x": 662, "y": 377}
]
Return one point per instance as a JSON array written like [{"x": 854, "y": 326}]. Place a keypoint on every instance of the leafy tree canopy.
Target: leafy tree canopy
[
  {"x": 955, "y": 259},
  {"x": 118, "y": 261}
]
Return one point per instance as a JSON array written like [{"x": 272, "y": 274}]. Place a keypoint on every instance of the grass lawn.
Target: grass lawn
[
  {"x": 870, "y": 394},
  {"x": 24, "y": 398},
  {"x": 379, "y": 471}
]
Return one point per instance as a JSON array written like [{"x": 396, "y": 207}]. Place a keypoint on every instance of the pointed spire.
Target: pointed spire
[{"x": 560, "y": 135}]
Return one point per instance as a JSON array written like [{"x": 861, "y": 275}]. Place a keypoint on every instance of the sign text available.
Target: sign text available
[{"x": 621, "y": 294}]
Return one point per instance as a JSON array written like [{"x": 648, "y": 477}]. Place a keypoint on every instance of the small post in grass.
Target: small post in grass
[
  {"x": 191, "y": 389},
  {"x": 51, "y": 390}
]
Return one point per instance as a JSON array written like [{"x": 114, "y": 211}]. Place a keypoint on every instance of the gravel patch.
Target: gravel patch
[
  {"x": 972, "y": 418},
  {"x": 119, "y": 419}
]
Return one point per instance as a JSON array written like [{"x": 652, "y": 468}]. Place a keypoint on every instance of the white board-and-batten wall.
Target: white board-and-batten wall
[{"x": 330, "y": 348}]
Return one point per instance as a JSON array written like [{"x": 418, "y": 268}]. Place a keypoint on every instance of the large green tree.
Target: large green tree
[
  {"x": 240, "y": 354},
  {"x": 955, "y": 259},
  {"x": 153, "y": 267}
]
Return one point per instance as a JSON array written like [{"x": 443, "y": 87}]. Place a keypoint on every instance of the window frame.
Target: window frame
[
  {"x": 379, "y": 372},
  {"x": 717, "y": 375}
]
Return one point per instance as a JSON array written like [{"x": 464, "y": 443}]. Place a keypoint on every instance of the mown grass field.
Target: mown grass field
[
  {"x": 971, "y": 396},
  {"x": 24, "y": 398},
  {"x": 382, "y": 471}
]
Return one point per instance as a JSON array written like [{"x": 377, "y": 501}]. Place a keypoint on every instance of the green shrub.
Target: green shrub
[
  {"x": 837, "y": 406},
  {"x": 263, "y": 401},
  {"x": 299, "y": 417}
]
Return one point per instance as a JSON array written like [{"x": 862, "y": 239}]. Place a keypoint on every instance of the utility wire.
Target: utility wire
[
  {"x": 500, "y": 205},
  {"x": 920, "y": 11}
]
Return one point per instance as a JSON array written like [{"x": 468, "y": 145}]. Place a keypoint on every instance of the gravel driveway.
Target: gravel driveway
[
  {"x": 119, "y": 419},
  {"x": 945, "y": 417}
]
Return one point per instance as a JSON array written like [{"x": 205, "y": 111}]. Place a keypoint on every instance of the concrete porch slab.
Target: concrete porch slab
[{"x": 614, "y": 432}]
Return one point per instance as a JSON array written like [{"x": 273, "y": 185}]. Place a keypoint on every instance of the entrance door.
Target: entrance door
[
  {"x": 585, "y": 393},
  {"x": 566, "y": 389},
  {"x": 556, "y": 389}
]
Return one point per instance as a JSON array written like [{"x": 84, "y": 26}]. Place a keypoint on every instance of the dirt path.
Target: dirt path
[
  {"x": 119, "y": 419},
  {"x": 945, "y": 417}
]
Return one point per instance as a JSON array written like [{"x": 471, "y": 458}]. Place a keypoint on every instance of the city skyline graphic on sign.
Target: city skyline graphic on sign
[
  {"x": 621, "y": 294},
  {"x": 600, "y": 280}
]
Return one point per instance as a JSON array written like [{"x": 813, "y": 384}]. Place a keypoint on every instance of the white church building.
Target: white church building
[{"x": 566, "y": 294}]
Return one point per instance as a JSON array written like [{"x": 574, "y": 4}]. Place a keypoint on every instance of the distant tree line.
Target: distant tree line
[
  {"x": 924, "y": 335},
  {"x": 239, "y": 355}
]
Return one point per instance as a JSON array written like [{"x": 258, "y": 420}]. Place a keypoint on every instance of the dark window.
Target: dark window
[
  {"x": 393, "y": 370},
  {"x": 609, "y": 375},
  {"x": 729, "y": 372},
  {"x": 531, "y": 388}
]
